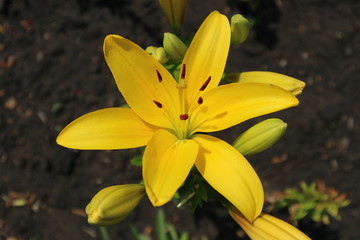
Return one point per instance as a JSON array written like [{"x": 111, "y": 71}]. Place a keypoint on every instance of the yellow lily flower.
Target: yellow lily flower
[
  {"x": 267, "y": 227},
  {"x": 166, "y": 115}
]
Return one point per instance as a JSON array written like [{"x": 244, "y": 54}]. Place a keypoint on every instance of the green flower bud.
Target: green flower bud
[
  {"x": 112, "y": 204},
  {"x": 174, "y": 47},
  {"x": 260, "y": 136},
  {"x": 290, "y": 84},
  {"x": 158, "y": 53},
  {"x": 240, "y": 27}
]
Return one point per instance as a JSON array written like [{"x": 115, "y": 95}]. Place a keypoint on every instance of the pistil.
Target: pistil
[{"x": 181, "y": 86}]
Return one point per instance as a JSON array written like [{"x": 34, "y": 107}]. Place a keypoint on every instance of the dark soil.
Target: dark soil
[{"x": 52, "y": 70}]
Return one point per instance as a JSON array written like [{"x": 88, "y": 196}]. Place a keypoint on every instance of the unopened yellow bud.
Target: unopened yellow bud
[
  {"x": 158, "y": 53},
  {"x": 266, "y": 226},
  {"x": 174, "y": 12},
  {"x": 260, "y": 136},
  {"x": 240, "y": 27},
  {"x": 113, "y": 204},
  {"x": 290, "y": 84},
  {"x": 174, "y": 47}
]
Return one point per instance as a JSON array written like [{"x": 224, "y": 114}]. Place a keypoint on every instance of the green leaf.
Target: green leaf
[
  {"x": 203, "y": 193},
  {"x": 293, "y": 194},
  {"x": 301, "y": 213},
  {"x": 332, "y": 209},
  {"x": 344, "y": 203},
  {"x": 104, "y": 233},
  {"x": 172, "y": 231},
  {"x": 184, "y": 236},
  {"x": 325, "y": 219},
  {"x": 161, "y": 225},
  {"x": 136, "y": 234},
  {"x": 316, "y": 216},
  {"x": 310, "y": 204},
  {"x": 136, "y": 161}
]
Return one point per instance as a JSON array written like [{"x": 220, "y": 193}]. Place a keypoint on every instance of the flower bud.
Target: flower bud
[
  {"x": 266, "y": 226},
  {"x": 240, "y": 27},
  {"x": 174, "y": 12},
  {"x": 260, "y": 136},
  {"x": 158, "y": 53},
  {"x": 290, "y": 84},
  {"x": 174, "y": 47},
  {"x": 113, "y": 204}
]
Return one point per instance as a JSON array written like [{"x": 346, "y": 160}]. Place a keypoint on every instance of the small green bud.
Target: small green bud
[
  {"x": 158, "y": 53},
  {"x": 174, "y": 47},
  {"x": 240, "y": 27},
  {"x": 112, "y": 204},
  {"x": 260, "y": 136},
  {"x": 290, "y": 84}
]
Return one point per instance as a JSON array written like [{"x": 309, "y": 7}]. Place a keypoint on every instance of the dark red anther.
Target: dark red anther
[
  {"x": 206, "y": 83},
  {"x": 159, "y": 105},
  {"x": 200, "y": 100},
  {"x": 159, "y": 76},
  {"x": 184, "y": 116},
  {"x": 183, "y": 71}
]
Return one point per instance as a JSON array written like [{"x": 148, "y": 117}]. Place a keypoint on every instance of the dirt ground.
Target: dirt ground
[{"x": 52, "y": 70}]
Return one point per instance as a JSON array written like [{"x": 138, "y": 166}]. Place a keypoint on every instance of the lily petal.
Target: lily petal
[
  {"x": 230, "y": 104},
  {"x": 228, "y": 172},
  {"x": 205, "y": 60},
  {"x": 166, "y": 163},
  {"x": 268, "y": 227},
  {"x": 146, "y": 85},
  {"x": 110, "y": 128}
]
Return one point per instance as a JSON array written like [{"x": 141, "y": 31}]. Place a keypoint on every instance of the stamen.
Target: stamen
[
  {"x": 184, "y": 116},
  {"x": 159, "y": 105},
  {"x": 200, "y": 100},
  {"x": 206, "y": 83},
  {"x": 183, "y": 71},
  {"x": 159, "y": 76}
]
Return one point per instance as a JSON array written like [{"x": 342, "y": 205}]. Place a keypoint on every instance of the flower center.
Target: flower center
[
  {"x": 182, "y": 121},
  {"x": 184, "y": 130},
  {"x": 184, "y": 116}
]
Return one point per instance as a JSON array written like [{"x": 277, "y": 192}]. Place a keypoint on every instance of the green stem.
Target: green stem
[
  {"x": 160, "y": 225},
  {"x": 104, "y": 233}
]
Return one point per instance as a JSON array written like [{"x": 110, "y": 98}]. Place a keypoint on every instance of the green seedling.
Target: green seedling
[{"x": 314, "y": 200}]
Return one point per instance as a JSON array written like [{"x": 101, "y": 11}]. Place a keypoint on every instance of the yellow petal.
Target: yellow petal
[
  {"x": 205, "y": 60},
  {"x": 110, "y": 128},
  {"x": 166, "y": 163},
  {"x": 268, "y": 227},
  {"x": 230, "y": 104},
  {"x": 228, "y": 172},
  {"x": 146, "y": 85}
]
